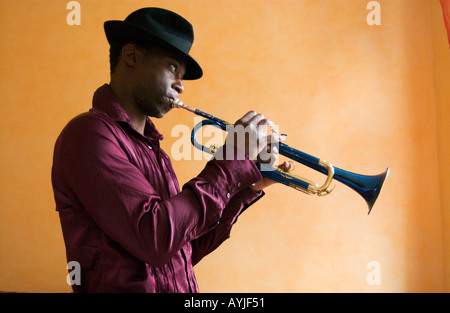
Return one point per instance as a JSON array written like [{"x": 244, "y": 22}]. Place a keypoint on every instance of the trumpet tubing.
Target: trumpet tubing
[{"x": 366, "y": 186}]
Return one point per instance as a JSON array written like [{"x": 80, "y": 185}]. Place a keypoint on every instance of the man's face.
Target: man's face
[{"x": 158, "y": 79}]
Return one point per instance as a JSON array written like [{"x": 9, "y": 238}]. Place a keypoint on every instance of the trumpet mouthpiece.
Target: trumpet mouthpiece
[{"x": 176, "y": 103}]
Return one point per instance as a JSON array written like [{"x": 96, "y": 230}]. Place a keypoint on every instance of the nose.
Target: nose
[{"x": 178, "y": 86}]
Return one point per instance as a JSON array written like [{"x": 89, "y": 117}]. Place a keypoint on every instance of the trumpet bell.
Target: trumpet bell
[{"x": 368, "y": 187}]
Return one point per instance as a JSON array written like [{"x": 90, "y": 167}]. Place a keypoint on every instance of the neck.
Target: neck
[{"x": 126, "y": 100}]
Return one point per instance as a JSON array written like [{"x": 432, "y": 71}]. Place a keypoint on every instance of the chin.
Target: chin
[
  {"x": 161, "y": 115},
  {"x": 163, "y": 111},
  {"x": 158, "y": 114}
]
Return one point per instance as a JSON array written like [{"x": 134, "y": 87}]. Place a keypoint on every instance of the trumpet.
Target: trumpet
[{"x": 367, "y": 186}]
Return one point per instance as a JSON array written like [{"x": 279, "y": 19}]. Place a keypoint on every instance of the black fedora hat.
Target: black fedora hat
[{"x": 160, "y": 26}]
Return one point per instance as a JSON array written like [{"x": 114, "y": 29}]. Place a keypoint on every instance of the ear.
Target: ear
[{"x": 130, "y": 54}]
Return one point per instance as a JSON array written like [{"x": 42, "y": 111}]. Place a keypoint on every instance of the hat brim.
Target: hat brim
[{"x": 120, "y": 31}]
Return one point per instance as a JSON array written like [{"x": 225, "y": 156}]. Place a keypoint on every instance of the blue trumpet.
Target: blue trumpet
[{"x": 368, "y": 186}]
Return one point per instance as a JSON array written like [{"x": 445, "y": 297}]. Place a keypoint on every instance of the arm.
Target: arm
[
  {"x": 238, "y": 204},
  {"x": 240, "y": 201},
  {"x": 213, "y": 239},
  {"x": 126, "y": 207}
]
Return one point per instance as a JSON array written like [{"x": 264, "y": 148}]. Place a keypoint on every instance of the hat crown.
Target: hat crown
[{"x": 164, "y": 23}]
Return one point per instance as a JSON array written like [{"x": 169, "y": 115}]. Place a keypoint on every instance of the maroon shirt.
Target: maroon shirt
[{"x": 123, "y": 216}]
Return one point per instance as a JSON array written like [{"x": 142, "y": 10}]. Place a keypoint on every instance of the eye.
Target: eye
[{"x": 173, "y": 67}]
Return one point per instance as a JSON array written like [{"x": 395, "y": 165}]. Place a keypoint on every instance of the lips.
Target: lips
[{"x": 172, "y": 101}]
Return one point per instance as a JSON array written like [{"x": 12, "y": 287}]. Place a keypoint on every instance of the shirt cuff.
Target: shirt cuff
[
  {"x": 232, "y": 174},
  {"x": 238, "y": 204}
]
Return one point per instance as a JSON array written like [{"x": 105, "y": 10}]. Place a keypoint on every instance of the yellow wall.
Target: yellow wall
[{"x": 363, "y": 97}]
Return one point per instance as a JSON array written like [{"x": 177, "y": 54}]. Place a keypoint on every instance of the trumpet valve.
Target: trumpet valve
[{"x": 290, "y": 166}]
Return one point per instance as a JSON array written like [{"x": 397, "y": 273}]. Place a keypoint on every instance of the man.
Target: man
[{"x": 123, "y": 217}]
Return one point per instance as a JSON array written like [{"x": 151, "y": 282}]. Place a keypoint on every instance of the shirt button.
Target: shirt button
[
  {"x": 239, "y": 184},
  {"x": 228, "y": 195},
  {"x": 214, "y": 225}
]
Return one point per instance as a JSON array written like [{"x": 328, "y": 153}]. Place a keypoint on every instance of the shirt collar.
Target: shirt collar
[{"x": 104, "y": 100}]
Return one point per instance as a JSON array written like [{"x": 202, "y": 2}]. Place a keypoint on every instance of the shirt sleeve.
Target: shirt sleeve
[
  {"x": 121, "y": 201},
  {"x": 213, "y": 239}
]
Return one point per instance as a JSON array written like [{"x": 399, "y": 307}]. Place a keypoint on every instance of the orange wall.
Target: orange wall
[
  {"x": 442, "y": 90},
  {"x": 363, "y": 97}
]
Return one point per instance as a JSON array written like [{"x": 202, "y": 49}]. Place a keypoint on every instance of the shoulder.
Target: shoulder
[
  {"x": 88, "y": 123},
  {"x": 86, "y": 131}
]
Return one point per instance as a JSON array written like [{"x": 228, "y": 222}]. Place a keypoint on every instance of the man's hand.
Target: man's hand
[
  {"x": 249, "y": 135},
  {"x": 266, "y": 182}
]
